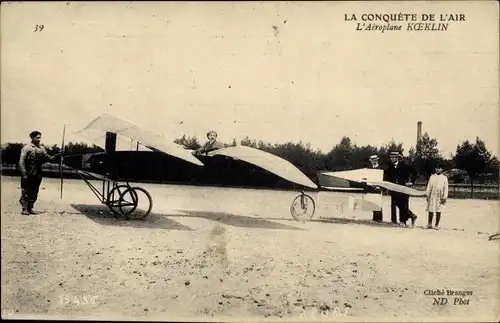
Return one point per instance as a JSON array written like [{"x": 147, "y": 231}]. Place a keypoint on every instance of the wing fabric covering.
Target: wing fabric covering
[
  {"x": 147, "y": 138},
  {"x": 267, "y": 161}
]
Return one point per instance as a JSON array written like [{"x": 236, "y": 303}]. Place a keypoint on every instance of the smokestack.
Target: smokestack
[{"x": 419, "y": 131}]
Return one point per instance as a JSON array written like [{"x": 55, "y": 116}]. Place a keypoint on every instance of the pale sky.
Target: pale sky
[{"x": 311, "y": 77}]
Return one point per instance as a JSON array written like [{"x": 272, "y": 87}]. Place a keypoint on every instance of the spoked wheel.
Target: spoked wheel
[
  {"x": 303, "y": 207},
  {"x": 130, "y": 203},
  {"x": 114, "y": 198}
]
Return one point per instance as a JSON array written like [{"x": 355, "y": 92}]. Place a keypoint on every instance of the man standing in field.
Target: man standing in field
[
  {"x": 390, "y": 176},
  {"x": 33, "y": 156},
  {"x": 402, "y": 174},
  {"x": 374, "y": 160}
]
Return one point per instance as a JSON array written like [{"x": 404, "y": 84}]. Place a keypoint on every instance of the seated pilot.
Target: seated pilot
[{"x": 211, "y": 145}]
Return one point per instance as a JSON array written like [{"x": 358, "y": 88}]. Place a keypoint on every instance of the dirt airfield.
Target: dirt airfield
[{"x": 236, "y": 254}]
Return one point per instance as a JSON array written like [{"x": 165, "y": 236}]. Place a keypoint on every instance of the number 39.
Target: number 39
[{"x": 38, "y": 28}]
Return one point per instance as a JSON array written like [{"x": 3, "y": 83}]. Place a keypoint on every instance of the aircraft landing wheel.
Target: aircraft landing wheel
[
  {"x": 114, "y": 198},
  {"x": 303, "y": 208},
  {"x": 130, "y": 206}
]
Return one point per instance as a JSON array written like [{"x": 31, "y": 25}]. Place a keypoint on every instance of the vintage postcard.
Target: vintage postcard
[{"x": 250, "y": 161}]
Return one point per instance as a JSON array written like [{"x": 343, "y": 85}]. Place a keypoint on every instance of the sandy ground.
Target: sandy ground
[{"x": 230, "y": 254}]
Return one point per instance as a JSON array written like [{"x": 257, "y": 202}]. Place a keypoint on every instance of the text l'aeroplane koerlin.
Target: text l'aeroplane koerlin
[{"x": 122, "y": 198}]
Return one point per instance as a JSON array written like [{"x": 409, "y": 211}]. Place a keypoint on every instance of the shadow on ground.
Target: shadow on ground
[
  {"x": 236, "y": 220},
  {"x": 420, "y": 224},
  {"x": 101, "y": 214},
  {"x": 354, "y": 221},
  {"x": 372, "y": 223},
  {"x": 357, "y": 221}
]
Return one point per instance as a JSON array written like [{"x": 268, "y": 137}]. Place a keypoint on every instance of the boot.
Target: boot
[
  {"x": 429, "y": 222},
  {"x": 25, "y": 211},
  {"x": 31, "y": 211},
  {"x": 438, "y": 218},
  {"x": 413, "y": 219}
]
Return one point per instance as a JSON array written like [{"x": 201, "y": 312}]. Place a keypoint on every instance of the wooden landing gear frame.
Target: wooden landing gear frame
[{"x": 121, "y": 199}]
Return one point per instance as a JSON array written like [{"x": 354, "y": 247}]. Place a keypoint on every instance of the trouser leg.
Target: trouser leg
[
  {"x": 30, "y": 187},
  {"x": 409, "y": 213},
  {"x": 394, "y": 218},
  {"x": 438, "y": 218},
  {"x": 25, "y": 189},
  {"x": 403, "y": 208},
  {"x": 34, "y": 191}
]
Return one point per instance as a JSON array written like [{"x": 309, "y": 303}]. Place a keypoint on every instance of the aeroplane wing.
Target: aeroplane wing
[
  {"x": 267, "y": 161},
  {"x": 153, "y": 141}
]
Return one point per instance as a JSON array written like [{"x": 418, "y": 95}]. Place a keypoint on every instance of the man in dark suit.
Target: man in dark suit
[
  {"x": 400, "y": 173},
  {"x": 374, "y": 160}
]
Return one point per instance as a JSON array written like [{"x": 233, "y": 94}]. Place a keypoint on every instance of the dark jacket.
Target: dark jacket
[{"x": 401, "y": 174}]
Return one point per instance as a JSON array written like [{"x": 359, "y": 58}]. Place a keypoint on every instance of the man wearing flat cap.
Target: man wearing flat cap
[
  {"x": 402, "y": 174},
  {"x": 211, "y": 145},
  {"x": 33, "y": 156},
  {"x": 375, "y": 164}
]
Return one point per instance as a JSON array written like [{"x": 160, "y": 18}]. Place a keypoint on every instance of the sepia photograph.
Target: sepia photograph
[{"x": 245, "y": 161}]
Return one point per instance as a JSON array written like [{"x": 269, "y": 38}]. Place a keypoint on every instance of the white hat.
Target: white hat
[
  {"x": 396, "y": 154},
  {"x": 373, "y": 157}
]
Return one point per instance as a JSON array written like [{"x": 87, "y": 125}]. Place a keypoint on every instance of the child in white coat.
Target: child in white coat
[{"x": 437, "y": 194}]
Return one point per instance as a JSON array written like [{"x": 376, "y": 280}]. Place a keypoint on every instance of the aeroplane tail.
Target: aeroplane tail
[
  {"x": 365, "y": 179},
  {"x": 356, "y": 175}
]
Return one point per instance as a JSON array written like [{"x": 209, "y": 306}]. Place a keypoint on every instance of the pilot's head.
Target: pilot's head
[
  {"x": 212, "y": 135},
  {"x": 374, "y": 160}
]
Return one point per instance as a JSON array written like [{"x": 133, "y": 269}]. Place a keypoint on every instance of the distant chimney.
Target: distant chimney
[{"x": 419, "y": 131}]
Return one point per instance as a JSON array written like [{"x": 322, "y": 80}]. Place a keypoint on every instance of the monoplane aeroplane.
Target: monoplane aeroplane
[{"x": 122, "y": 198}]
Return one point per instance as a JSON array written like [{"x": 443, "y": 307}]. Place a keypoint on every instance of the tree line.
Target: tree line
[{"x": 471, "y": 162}]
